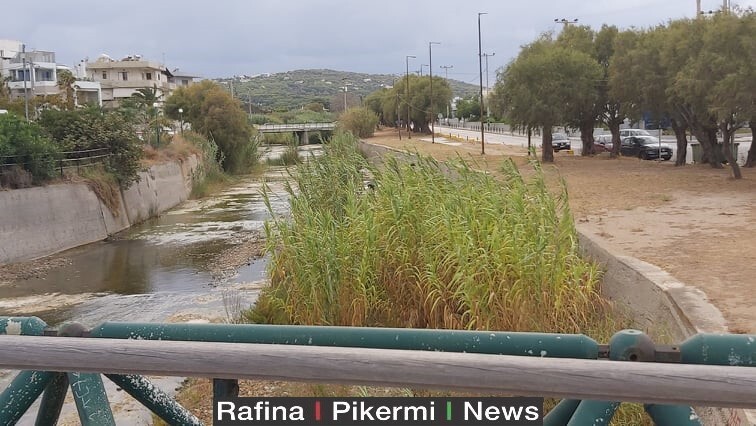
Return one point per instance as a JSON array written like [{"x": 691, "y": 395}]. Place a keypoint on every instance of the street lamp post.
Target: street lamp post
[
  {"x": 565, "y": 22},
  {"x": 181, "y": 120},
  {"x": 157, "y": 126},
  {"x": 432, "y": 111},
  {"x": 480, "y": 66},
  {"x": 406, "y": 100}
]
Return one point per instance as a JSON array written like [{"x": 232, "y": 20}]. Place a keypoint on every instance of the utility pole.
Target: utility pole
[
  {"x": 346, "y": 89},
  {"x": 432, "y": 110},
  {"x": 446, "y": 77},
  {"x": 446, "y": 70},
  {"x": 486, "y": 55},
  {"x": 26, "y": 93},
  {"x": 409, "y": 130},
  {"x": 480, "y": 66}
]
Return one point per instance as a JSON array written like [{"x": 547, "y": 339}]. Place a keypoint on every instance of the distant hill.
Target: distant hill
[{"x": 293, "y": 89}]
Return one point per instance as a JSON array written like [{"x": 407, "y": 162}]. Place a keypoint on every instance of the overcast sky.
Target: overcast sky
[{"x": 226, "y": 37}]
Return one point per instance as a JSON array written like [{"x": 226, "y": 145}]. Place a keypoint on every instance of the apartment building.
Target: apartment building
[
  {"x": 120, "y": 79},
  {"x": 35, "y": 73}
]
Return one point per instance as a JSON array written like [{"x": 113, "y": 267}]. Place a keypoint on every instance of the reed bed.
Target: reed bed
[{"x": 426, "y": 245}]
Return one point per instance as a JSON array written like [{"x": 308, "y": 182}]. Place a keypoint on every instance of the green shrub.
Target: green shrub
[
  {"x": 27, "y": 147},
  {"x": 361, "y": 122}
]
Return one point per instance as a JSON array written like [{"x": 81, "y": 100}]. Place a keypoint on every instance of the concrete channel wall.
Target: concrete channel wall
[
  {"x": 656, "y": 300},
  {"x": 40, "y": 221}
]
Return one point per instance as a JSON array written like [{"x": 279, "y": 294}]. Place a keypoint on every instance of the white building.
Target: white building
[
  {"x": 120, "y": 79},
  {"x": 36, "y": 73}
]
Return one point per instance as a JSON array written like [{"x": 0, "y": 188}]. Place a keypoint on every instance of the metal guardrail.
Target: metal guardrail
[
  {"x": 295, "y": 127},
  {"x": 464, "y": 360}
]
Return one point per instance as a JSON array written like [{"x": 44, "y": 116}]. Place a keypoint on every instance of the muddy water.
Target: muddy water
[{"x": 164, "y": 267}]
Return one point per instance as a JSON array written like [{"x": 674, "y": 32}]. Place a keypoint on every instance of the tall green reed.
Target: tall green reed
[{"x": 431, "y": 245}]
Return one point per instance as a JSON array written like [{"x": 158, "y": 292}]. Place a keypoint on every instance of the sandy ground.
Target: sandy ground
[{"x": 695, "y": 222}]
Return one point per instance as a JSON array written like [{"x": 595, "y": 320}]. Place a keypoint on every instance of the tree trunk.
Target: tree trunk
[
  {"x": 586, "y": 136},
  {"x": 727, "y": 130},
  {"x": 614, "y": 127},
  {"x": 682, "y": 141},
  {"x": 707, "y": 137},
  {"x": 751, "y": 160},
  {"x": 547, "y": 150}
]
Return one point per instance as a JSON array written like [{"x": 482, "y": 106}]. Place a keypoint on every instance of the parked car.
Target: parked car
[
  {"x": 603, "y": 143},
  {"x": 644, "y": 147},
  {"x": 560, "y": 141},
  {"x": 633, "y": 132}
]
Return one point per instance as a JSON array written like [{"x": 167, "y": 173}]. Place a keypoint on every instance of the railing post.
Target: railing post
[
  {"x": 155, "y": 399},
  {"x": 87, "y": 388},
  {"x": 595, "y": 413},
  {"x": 672, "y": 415},
  {"x": 562, "y": 413},
  {"x": 25, "y": 388},
  {"x": 91, "y": 399},
  {"x": 52, "y": 401},
  {"x": 27, "y": 385},
  {"x": 225, "y": 388}
]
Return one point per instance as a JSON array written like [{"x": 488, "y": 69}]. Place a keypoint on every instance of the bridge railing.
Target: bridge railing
[
  {"x": 295, "y": 127},
  {"x": 706, "y": 370}
]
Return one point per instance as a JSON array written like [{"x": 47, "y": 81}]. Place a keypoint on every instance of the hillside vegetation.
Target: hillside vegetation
[{"x": 295, "y": 89}]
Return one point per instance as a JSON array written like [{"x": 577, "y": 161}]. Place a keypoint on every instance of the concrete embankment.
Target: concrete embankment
[{"x": 40, "y": 221}]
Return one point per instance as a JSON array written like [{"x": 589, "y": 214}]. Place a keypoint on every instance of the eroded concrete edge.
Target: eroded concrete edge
[{"x": 656, "y": 297}]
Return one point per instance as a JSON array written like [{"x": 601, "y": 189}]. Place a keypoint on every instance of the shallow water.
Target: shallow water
[{"x": 160, "y": 268}]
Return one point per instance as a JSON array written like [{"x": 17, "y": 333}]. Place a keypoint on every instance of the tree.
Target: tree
[
  {"x": 214, "y": 113},
  {"x": 394, "y": 105},
  {"x": 585, "y": 109},
  {"x": 540, "y": 85},
  {"x": 66, "y": 81},
  {"x": 469, "y": 108},
  {"x": 360, "y": 121}
]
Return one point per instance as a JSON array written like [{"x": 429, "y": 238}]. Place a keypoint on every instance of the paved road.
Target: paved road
[{"x": 522, "y": 141}]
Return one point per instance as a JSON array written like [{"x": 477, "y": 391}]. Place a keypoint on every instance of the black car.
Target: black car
[
  {"x": 560, "y": 141},
  {"x": 644, "y": 147}
]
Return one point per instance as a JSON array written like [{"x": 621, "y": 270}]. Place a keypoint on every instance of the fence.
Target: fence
[
  {"x": 63, "y": 161},
  {"x": 705, "y": 370}
]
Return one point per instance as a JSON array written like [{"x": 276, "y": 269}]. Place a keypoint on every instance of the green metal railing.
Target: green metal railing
[{"x": 93, "y": 406}]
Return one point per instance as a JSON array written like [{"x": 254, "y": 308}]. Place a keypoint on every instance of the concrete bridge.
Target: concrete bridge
[{"x": 301, "y": 129}]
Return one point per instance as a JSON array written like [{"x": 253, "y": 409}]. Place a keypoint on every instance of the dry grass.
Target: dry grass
[{"x": 179, "y": 149}]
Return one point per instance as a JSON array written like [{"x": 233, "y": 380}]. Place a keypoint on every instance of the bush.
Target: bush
[
  {"x": 25, "y": 146},
  {"x": 361, "y": 122},
  {"x": 92, "y": 129}
]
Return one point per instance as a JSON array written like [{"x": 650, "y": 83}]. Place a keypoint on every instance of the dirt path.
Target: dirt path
[{"x": 695, "y": 222}]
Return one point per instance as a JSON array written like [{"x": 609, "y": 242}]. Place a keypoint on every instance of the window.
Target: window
[
  {"x": 123, "y": 75},
  {"x": 104, "y": 75},
  {"x": 47, "y": 76},
  {"x": 148, "y": 76}
]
